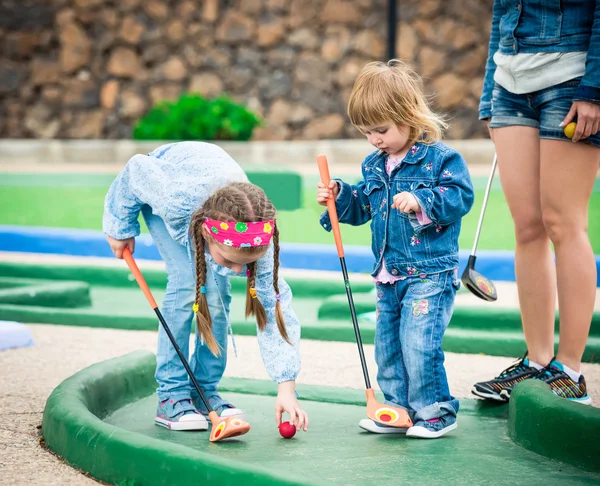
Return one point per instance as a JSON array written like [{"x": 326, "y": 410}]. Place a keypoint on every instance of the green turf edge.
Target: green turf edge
[
  {"x": 121, "y": 277},
  {"x": 500, "y": 318},
  {"x": 551, "y": 426},
  {"x": 72, "y": 430},
  {"x": 44, "y": 293},
  {"x": 456, "y": 340}
]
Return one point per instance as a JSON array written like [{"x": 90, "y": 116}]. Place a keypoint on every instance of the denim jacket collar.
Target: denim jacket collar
[{"x": 378, "y": 158}]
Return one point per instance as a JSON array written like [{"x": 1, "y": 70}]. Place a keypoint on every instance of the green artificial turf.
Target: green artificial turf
[{"x": 81, "y": 208}]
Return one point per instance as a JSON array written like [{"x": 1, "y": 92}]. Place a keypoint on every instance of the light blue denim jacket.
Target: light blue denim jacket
[
  {"x": 531, "y": 26},
  {"x": 439, "y": 179},
  {"x": 175, "y": 180}
]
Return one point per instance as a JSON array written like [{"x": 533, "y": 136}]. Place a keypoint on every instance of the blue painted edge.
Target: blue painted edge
[{"x": 495, "y": 265}]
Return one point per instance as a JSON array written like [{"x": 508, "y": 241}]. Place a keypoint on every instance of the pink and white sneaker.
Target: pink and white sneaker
[{"x": 180, "y": 415}]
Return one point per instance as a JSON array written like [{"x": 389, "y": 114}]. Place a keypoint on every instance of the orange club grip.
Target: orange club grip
[
  {"x": 335, "y": 224},
  {"x": 128, "y": 257}
]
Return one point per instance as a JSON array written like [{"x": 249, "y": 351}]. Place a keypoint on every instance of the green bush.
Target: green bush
[{"x": 193, "y": 117}]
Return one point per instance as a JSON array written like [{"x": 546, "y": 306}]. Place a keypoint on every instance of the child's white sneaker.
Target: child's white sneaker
[
  {"x": 376, "y": 428},
  {"x": 179, "y": 415},
  {"x": 433, "y": 428}
]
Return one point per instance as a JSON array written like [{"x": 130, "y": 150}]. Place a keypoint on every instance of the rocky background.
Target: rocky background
[{"x": 91, "y": 68}]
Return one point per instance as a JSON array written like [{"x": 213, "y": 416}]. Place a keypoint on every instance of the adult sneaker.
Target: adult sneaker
[
  {"x": 499, "y": 388},
  {"x": 433, "y": 428},
  {"x": 377, "y": 428},
  {"x": 563, "y": 385}
]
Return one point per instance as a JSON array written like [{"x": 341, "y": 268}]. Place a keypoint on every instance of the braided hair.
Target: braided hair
[{"x": 238, "y": 201}]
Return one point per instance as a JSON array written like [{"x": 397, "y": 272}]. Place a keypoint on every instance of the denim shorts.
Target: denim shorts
[{"x": 544, "y": 109}]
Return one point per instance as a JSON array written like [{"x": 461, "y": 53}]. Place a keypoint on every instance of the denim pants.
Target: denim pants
[
  {"x": 173, "y": 381},
  {"x": 412, "y": 316}
]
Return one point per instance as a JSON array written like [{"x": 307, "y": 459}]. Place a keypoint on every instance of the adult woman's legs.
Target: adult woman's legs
[
  {"x": 568, "y": 173},
  {"x": 518, "y": 149}
]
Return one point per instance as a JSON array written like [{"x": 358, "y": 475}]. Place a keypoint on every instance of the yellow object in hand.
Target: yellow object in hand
[{"x": 570, "y": 129}]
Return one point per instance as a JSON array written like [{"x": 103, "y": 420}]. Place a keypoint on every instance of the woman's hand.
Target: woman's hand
[
  {"x": 324, "y": 193},
  {"x": 287, "y": 402},
  {"x": 588, "y": 119},
  {"x": 117, "y": 246}
]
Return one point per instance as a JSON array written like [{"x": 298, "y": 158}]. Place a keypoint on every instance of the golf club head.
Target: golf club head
[
  {"x": 477, "y": 284},
  {"x": 226, "y": 428},
  {"x": 386, "y": 414}
]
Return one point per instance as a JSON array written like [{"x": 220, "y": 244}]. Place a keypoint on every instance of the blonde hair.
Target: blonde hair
[
  {"x": 238, "y": 201},
  {"x": 393, "y": 91}
]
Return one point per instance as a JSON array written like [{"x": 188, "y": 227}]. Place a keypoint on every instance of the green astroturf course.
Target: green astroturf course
[
  {"x": 76, "y": 201},
  {"x": 101, "y": 421}
]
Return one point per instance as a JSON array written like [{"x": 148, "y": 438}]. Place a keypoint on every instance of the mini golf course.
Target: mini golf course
[{"x": 101, "y": 421}]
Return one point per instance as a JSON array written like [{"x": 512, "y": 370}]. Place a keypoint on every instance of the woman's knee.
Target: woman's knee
[
  {"x": 529, "y": 228},
  {"x": 560, "y": 225}
]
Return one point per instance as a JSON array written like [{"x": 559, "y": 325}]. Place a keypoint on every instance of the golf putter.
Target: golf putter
[
  {"x": 221, "y": 428},
  {"x": 479, "y": 285},
  {"x": 376, "y": 411}
]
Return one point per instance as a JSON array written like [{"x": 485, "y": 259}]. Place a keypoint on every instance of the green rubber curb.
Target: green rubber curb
[
  {"x": 472, "y": 330},
  {"x": 44, "y": 293},
  {"x": 551, "y": 426},
  {"x": 505, "y": 319},
  {"x": 72, "y": 427},
  {"x": 121, "y": 277}
]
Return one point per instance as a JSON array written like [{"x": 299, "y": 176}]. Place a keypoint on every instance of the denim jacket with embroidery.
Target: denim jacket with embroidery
[
  {"x": 175, "y": 180},
  {"x": 532, "y": 26},
  {"x": 439, "y": 179}
]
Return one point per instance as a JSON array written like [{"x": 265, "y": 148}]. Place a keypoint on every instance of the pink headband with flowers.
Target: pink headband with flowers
[{"x": 239, "y": 234}]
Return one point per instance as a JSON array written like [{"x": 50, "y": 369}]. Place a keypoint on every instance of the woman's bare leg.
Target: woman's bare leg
[
  {"x": 568, "y": 172},
  {"x": 518, "y": 150}
]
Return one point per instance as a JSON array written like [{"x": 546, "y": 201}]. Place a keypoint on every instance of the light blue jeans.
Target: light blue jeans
[
  {"x": 412, "y": 316},
  {"x": 173, "y": 381}
]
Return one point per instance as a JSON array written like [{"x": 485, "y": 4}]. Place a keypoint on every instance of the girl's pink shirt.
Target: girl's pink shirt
[{"x": 384, "y": 276}]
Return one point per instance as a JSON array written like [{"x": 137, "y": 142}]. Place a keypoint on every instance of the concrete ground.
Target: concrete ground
[{"x": 30, "y": 374}]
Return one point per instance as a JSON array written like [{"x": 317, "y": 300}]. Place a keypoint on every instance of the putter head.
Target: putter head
[
  {"x": 226, "y": 428},
  {"x": 477, "y": 284},
  {"x": 386, "y": 414}
]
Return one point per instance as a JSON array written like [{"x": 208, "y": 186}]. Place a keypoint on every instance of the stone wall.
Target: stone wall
[{"x": 91, "y": 68}]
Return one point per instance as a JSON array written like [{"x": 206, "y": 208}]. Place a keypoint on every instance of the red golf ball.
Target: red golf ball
[{"x": 287, "y": 430}]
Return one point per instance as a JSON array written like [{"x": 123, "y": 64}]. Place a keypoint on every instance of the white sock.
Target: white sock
[
  {"x": 533, "y": 364},
  {"x": 572, "y": 373}
]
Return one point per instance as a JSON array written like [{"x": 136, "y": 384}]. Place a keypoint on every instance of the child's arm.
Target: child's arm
[
  {"x": 281, "y": 360},
  {"x": 453, "y": 196},
  {"x": 351, "y": 203},
  {"x": 122, "y": 207}
]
